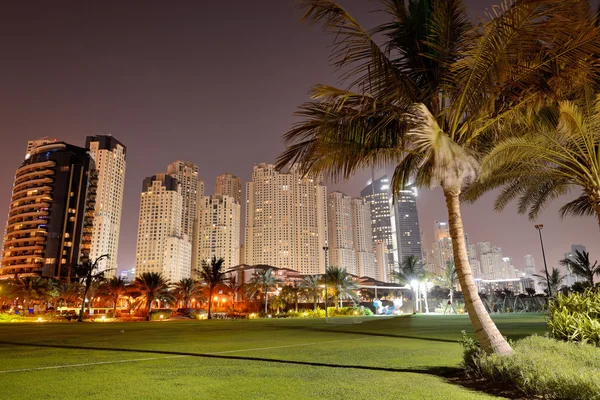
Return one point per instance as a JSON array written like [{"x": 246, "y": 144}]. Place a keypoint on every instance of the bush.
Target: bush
[
  {"x": 156, "y": 315},
  {"x": 541, "y": 366},
  {"x": 576, "y": 317},
  {"x": 10, "y": 317}
]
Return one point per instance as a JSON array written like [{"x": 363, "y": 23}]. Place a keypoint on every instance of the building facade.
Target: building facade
[
  {"x": 161, "y": 246},
  {"x": 110, "y": 157},
  {"x": 286, "y": 220},
  {"x": 408, "y": 231},
  {"x": 362, "y": 229},
  {"x": 51, "y": 214},
  {"x": 376, "y": 193},
  {"x": 219, "y": 222},
  {"x": 341, "y": 232},
  {"x": 229, "y": 185}
]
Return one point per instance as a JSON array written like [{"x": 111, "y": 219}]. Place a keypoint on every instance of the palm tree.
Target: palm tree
[
  {"x": 560, "y": 153},
  {"x": 449, "y": 280},
  {"x": 187, "y": 289},
  {"x": 88, "y": 273},
  {"x": 552, "y": 284},
  {"x": 212, "y": 276},
  {"x": 277, "y": 303},
  {"x": 152, "y": 286},
  {"x": 580, "y": 265},
  {"x": 262, "y": 280},
  {"x": 234, "y": 288},
  {"x": 114, "y": 289},
  {"x": 342, "y": 284},
  {"x": 433, "y": 96},
  {"x": 290, "y": 293},
  {"x": 311, "y": 283},
  {"x": 29, "y": 289}
]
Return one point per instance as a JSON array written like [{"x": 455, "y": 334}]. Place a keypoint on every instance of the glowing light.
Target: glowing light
[{"x": 161, "y": 316}]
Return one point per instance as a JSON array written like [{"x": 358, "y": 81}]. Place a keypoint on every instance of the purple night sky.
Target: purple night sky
[{"x": 213, "y": 82}]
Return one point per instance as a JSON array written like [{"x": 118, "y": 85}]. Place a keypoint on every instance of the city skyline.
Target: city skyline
[{"x": 179, "y": 106}]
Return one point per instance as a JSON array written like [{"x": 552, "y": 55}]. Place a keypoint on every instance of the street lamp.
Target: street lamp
[
  {"x": 539, "y": 228},
  {"x": 326, "y": 248}
]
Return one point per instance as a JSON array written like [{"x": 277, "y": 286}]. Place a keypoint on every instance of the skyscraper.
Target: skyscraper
[
  {"x": 490, "y": 259},
  {"x": 341, "y": 232},
  {"x": 229, "y": 185},
  {"x": 32, "y": 144},
  {"x": 161, "y": 247},
  {"x": 570, "y": 277},
  {"x": 49, "y": 227},
  {"x": 109, "y": 155},
  {"x": 376, "y": 193},
  {"x": 286, "y": 220},
  {"x": 219, "y": 220},
  {"x": 406, "y": 216},
  {"x": 362, "y": 230},
  {"x": 442, "y": 247},
  {"x": 192, "y": 190},
  {"x": 529, "y": 266}
]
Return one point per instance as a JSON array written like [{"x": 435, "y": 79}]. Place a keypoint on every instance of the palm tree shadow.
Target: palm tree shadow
[{"x": 436, "y": 371}]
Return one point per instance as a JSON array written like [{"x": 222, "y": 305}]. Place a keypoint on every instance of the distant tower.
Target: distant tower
[
  {"x": 32, "y": 144},
  {"x": 109, "y": 155},
  {"x": 219, "y": 221},
  {"x": 442, "y": 247},
  {"x": 49, "y": 227},
  {"x": 229, "y": 185},
  {"x": 362, "y": 230},
  {"x": 192, "y": 190},
  {"x": 408, "y": 232},
  {"x": 376, "y": 193},
  {"x": 529, "y": 266},
  {"x": 161, "y": 247},
  {"x": 286, "y": 220},
  {"x": 340, "y": 232}
]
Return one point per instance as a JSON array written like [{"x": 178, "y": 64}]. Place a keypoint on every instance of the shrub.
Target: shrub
[
  {"x": 540, "y": 366},
  {"x": 156, "y": 315},
  {"x": 4, "y": 317},
  {"x": 576, "y": 317}
]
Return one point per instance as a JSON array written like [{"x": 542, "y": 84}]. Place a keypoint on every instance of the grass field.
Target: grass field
[{"x": 397, "y": 358}]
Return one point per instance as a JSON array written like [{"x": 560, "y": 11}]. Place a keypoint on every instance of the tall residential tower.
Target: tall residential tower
[{"x": 109, "y": 155}]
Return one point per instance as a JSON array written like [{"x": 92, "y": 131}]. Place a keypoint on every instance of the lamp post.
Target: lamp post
[
  {"x": 539, "y": 228},
  {"x": 326, "y": 248}
]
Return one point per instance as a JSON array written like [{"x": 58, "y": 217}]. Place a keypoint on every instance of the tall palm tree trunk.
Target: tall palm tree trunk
[
  {"x": 115, "y": 307},
  {"x": 486, "y": 332},
  {"x": 210, "y": 295},
  {"x": 80, "y": 318},
  {"x": 266, "y": 298}
]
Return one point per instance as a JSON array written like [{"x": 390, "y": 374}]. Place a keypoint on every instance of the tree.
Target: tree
[
  {"x": 449, "y": 280},
  {"x": 311, "y": 283},
  {"x": 114, "y": 289},
  {"x": 88, "y": 273},
  {"x": 530, "y": 291},
  {"x": 29, "y": 289},
  {"x": 580, "y": 265},
  {"x": 277, "y": 303},
  {"x": 410, "y": 273},
  {"x": 234, "y": 288},
  {"x": 152, "y": 286},
  {"x": 555, "y": 278},
  {"x": 64, "y": 293},
  {"x": 212, "y": 276},
  {"x": 432, "y": 98},
  {"x": 290, "y": 293},
  {"x": 187, "y": 289},
  {"x": 262, "y": 280},
  {"x": 341, "y": 283},
  {"x": 559, "y": 153}
]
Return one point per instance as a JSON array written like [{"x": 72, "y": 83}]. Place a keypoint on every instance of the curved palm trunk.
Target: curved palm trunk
[
  {"x": 115, "y": 307},
  {"x": 80, "y": 318},
  {"x": 486, "y": 332},
  {"x": 150, "y": 301},
  {"x": 266, "y": 299}
]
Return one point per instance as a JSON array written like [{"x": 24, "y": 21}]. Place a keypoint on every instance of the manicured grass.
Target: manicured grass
[{"x": 397, "y": 358}]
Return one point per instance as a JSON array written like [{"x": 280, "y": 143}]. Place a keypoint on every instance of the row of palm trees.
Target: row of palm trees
[
  {"x": 151, "y": 288},
  {"x": 510, "y": 102}
]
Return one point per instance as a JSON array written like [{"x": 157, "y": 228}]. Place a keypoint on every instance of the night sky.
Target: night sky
[{"x": 213, "y": 82}]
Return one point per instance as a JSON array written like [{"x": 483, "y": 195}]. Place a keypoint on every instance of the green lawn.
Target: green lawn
[{"x": 397, "y": 358}]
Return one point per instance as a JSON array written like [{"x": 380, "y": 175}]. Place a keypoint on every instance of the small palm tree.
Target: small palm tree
[
  {"x": 277, "y": 303},
  {"x": 311, "y": 283},
  {"x": 234, "y": 288},
  {"x": 29, "y": 289},
  {"x": 449, "y": 279},
  {"x": 290, "y": 293},
  {"x": 262, "y": 280},
  {"x": 152, "y": 286},
  {"x": 342, "y": 284},
  {"x": 114, "y": 289},
  {"x": 88, "y": 273},
  {"x": 187, "y": 289},
  {"x": 552, "y": 284},
  {"x": 212, "y": 276},
  {"x": 580, "y": 265},
  {"x": 410, "y": 273}
]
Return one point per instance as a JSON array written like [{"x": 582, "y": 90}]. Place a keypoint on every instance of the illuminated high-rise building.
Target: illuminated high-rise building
[
  {"x": 219, "y": 221},
  {"x": 286, "y": 220},
  {"x": 161, "y": 246},
  {"x": 229, "y": 185},
  {"x": 109, "y": 155},
  {"x": 50, "y": 220},
  {"x": 362, "y": 231},
  {"x": 340, "y": 232},
  {"x": 406, "y": 216}
]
